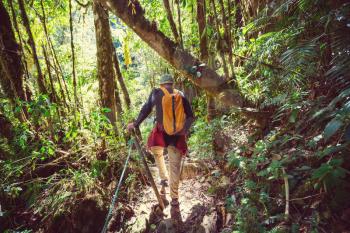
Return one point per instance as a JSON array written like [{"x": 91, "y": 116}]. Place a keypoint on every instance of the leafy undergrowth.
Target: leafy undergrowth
[
  {"x": 294, "y": 175},
  {"x": 61, "y": 179}
]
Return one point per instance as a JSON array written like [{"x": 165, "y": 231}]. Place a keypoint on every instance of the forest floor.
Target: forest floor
[
  {"x": 201, "y": 210},
  {"x": 196, "y": 206}
]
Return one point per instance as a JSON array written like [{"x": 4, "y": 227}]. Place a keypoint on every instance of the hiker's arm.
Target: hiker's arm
[
  {"x": 145, "y": 110},
  {"x": 189, "y": 115}
]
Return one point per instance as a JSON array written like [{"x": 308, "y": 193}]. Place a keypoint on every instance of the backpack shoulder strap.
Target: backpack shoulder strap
[{"x": 165, "y": 91}]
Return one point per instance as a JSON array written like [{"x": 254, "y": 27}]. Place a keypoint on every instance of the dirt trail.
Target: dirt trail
[{"x": 197, "y": 207}]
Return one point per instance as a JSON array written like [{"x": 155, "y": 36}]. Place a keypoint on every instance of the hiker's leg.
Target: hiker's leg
[
  {"x": 174, "y": 171},
  {"x": 157, "y": 152}
]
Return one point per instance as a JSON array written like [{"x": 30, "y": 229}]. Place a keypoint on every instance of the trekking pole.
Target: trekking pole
[
  {"x": 148, "y": 172},
  {"x": 115, "y": 196}
]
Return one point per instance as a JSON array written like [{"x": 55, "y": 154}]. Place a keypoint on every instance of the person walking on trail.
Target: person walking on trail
[{"x": 174, "y": 118}]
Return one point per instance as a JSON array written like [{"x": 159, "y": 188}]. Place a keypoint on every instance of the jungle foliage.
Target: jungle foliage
[{"x": 61, "y": 152}]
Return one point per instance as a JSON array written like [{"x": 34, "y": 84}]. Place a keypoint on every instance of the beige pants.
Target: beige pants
[{"x": 174, "y": 167}]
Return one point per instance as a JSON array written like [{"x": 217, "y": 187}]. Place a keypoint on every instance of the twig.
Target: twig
[
  {"x": 307, "y": 197},
  {"x": 272, "y": 66},
  {"x": 83, "y": 4},
  {"x": 286, "y": 184}
]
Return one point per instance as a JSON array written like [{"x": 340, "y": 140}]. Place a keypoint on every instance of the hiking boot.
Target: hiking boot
[
  {"x": 175, "y": 212},
  {"x": 165, "y": 201},
  {"x": 175, "y": 202},
  {"x": 164, "y": 183}
]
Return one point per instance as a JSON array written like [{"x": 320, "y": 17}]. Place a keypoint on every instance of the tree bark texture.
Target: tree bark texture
[
  {"x": 24, "y": 16},
  {"x": 11, "y": 73},
  {"x": 104, "y": 60},
  {"x": 180, "y": 59},
  {"x": 27, "y": 91}
]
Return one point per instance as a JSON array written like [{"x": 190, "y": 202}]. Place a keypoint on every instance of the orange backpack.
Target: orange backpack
[{"x": 173, "y": 111}]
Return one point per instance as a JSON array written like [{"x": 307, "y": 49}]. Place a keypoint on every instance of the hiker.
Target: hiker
[{"x": 174, "y": 118}]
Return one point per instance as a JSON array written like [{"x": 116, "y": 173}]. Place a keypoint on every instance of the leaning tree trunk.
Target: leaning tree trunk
[
  {"x": 121, "y": 80},
  {"x": 11, "y": 73},
  {"x": 180, "y": 59},
  {"x": 104, "y": 60},
  {"x": 24, "y": 16}
]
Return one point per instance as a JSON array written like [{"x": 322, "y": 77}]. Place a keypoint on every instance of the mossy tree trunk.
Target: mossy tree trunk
[
  {"x": 40, "y": 77},
  {"x": 11, "y": 72},
  {"x": 104, "y": 60}
]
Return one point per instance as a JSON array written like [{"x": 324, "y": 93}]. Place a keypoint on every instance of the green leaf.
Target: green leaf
[
  {"x": 329, "y": 150},
  {"x": 331, "y": 128},
  {"x": 322, "y": 171},
  {"x": 106, "y": 110}
]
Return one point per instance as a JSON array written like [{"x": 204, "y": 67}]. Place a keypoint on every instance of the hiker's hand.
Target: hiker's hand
[{"x": 131, "y": 126}]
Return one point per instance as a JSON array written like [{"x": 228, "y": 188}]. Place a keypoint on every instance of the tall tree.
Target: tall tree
[
  {"x": 180, "y": 59},
  {"x": 40, "y": 77},
  {"x": 73, "y": 54},
  {"x": 104, "y": 60},
  {"x": 204, "y": 54},
  {"x": 11, "y": 73}
]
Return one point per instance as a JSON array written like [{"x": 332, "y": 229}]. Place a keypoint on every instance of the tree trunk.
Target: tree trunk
[
  {"x": 227, "y": 29},
  {"x": 11, "y": 73},
  {"x": 27, "y": 92},
  {"x": 48, "y": 39},
  {"x": 118, "y": 102},
  {"x": 171, "y": 20},
  {"x": 201, "y": 8},
  {"x": 73, "y": 56},
  {"x": 48, "y": 66},
  {"x": 179, "y": 22},
  {"x": 180, "y": 59},
  {"x": 121, "y": 80},
  {"x": 41, "y": 80},
  {"x": 104, "y": 60},
  {"x": 221, "y": 41}
]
